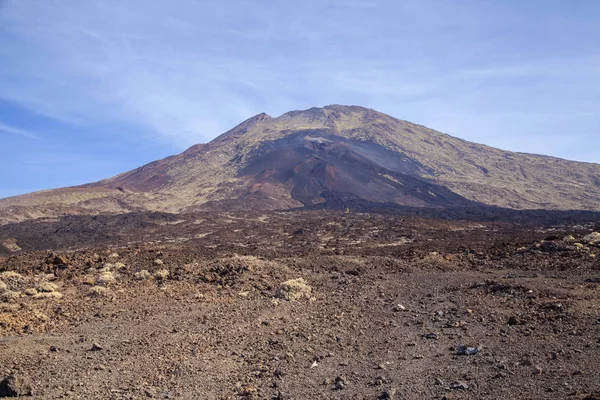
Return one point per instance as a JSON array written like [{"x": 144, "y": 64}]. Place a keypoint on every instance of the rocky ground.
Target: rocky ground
[{"x": 307, "y": 305}]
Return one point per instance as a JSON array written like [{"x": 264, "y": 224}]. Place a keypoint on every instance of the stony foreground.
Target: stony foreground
[{"x": 304, "y": 306}]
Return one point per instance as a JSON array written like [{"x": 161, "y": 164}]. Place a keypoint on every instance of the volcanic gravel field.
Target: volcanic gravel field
[{"x": 299, "y": 305}]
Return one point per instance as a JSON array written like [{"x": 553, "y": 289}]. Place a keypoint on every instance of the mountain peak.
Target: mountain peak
[
  {"x": 328, "y": 110},
  {"x": 243, "y": 127}
]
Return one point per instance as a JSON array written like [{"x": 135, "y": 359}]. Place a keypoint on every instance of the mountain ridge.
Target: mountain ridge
[{"x": 292, "y": 160}]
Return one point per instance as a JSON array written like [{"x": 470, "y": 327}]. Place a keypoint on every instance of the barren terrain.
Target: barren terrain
[{"x": 300, "y": 305}]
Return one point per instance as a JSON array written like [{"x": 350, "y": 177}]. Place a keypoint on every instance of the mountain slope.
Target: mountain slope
[{"x": 303, "y": 158}]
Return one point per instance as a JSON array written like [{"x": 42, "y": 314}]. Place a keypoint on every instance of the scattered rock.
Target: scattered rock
[
  {"x": 550, "y": 247},
  {"x": 56, "y": 259},
  {"x": 340, "y": 383},
  {"x": 399, "y": 307},
  {"x": 16, "y": 385},
  {"x": 248, "y": 391},
  {"x": 279, "y": 396},
  {"x": 96, "y": 347},
  {"x": 468, "y": 350},
  {"x": 431, "y": 336},
  {"x": 459, "y": 385},
  {"x": 378, "y": 381},
  {"x": 388, "y": 394},
  {"x": 512, "y": 320}
]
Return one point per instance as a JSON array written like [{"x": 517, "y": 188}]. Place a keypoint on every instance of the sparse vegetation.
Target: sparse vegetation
[
  {"x": 88, "y": 280},
  {"x": 592, "y": 239},
  {"x": 47, "y": 287},
  {"x": 8, "y": 295},
  {"x": 98, "y": 291},
  {"x": 10, "y": 275},
  {"x": 105, "y": 278},
  {"x": 106, "y": 267},
  {"x": 161, "y": 274},
  {"x": 143, "y": 275},
  {"x": 294, "y": 289},
  {"x": 48, "y": 295}
]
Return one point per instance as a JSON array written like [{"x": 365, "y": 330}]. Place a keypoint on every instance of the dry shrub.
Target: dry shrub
[
  {"x": 48, "y": 295},
  {"x": 105, "y": 278},
  {"x": 47, "y": 287},
  {"x": 99, "y": 291},
  {"x": 294, "y": 289},
  {"x": 88, "y": 280},
  {"x": 592, "y": 239},
  {"x": 11, "y": 276},
  {"x": 3, "y": 286},
  {"x": 143, "y": 275},
  {"x": 106, "y": 267},
  {"x": 10, "y": 295},
  {"x": 161, "y": 274}
]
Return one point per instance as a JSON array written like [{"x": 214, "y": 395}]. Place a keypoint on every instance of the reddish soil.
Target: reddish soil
[{"x": 394, "y": 300}]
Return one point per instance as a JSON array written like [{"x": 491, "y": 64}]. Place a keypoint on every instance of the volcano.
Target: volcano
[{"x": 331, "y": 157}]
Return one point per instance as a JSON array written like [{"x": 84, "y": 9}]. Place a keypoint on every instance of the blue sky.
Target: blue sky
[{"x": 92, "y": 88}]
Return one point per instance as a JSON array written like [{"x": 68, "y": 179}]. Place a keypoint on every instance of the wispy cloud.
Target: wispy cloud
[
  {"x": 5, "y": 129},
  {"x": 186, "y": 71}
]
